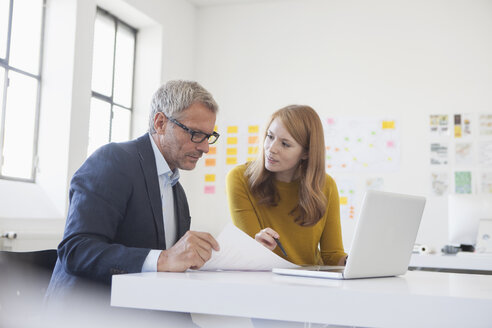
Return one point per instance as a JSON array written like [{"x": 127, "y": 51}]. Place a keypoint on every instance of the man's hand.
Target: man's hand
[{"x": 191, "y": 251}]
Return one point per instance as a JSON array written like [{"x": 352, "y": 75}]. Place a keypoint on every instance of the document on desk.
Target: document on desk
[{"x": 240, "y": 252}]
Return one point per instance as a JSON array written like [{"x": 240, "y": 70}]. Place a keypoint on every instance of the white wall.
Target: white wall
[
  {"x": 164, "y": 51},
  {"x": 401, "y": 59}
]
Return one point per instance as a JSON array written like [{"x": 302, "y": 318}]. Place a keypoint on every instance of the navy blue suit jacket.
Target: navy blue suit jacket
[{"x": 114, "y": 217}]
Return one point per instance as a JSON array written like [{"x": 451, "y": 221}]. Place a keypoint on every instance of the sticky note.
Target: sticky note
[
  {"x": 209, "y": 177},
  {"x": 231, "y": 151},
  {"x": 253, "y": 140},
  {"x": 343, "y": 200},
  {"x": 250, "y": 159},
  {"x": 212, "y": 150},
  {"x": 388, "y": 125},
  {"x": 216, "y": 128},
  {"x": 330, "y": 121},
  {"x": 232, "y": 141},
  {"x": 253, "y": 150},
  {"x": 232, "y": 129},
  {"x": 209, "y": 190},
  {"x": 231, "y": 160},
  {"x": 209, "y": 161},
  {"x": 253, "y": 129},
  {"x": 390, "y": 144}
]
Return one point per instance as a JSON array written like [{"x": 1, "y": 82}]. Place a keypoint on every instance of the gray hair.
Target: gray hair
[{"x": 175, "y": 96}]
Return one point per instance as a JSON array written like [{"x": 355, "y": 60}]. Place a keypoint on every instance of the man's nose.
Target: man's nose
[{"x": 203, "y": 146}]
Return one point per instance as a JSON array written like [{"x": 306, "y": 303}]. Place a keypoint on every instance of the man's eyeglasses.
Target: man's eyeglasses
[{"x": 196, "y": 136}]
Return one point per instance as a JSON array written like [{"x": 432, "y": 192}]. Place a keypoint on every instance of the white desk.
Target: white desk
[
  {"x": 459, "y": 262},
  {"x": 417, "y": 299}
]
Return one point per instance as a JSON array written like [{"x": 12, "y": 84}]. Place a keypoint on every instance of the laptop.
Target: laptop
[{"x": 383, "y": 241}]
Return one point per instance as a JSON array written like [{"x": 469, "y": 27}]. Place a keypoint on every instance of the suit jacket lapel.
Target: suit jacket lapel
[{"x": 147, "y": 163}]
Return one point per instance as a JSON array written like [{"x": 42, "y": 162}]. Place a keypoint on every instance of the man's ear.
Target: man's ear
[{"x": 160, "y": 121}]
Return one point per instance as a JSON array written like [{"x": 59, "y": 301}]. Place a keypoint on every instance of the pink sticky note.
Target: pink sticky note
[
  {"x": 390, "y": 144},
  {"x": 209, "y": 190},
  {"x": 330, "y": 121}
]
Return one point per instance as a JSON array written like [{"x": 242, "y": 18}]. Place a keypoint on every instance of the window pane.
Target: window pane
[
  {"x": 123, "y": 75},
  {"x": 26, "y": 35},
  {"x": 20, "y": 118},
  {"x": 102, "y": 61},
  {"x": 98, "y": 124},
  {"x": 4, "y": 26},
  {"x": 120, "y": 129}
]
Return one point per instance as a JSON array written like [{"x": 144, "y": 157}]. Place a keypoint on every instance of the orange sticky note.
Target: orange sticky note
[
  {"x": 209, "y": 161},
  {"x": 209, "y": 177},
  {"x": 231, "y": 160},
  {"x": 231, "y": 151},
  {"x": 253, "y": 140},
  {"x": 212, "y": 150},
  {"x": 232, "y": 141},
  {"x": 232, "y": 129}
]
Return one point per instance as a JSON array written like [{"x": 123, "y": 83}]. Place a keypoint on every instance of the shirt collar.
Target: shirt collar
[{"x": 162, "y": 166}]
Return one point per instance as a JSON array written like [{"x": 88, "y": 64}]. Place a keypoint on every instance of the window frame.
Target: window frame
[
  {"x": 4, "y": 63},
  {"x": 110, "y": 99}
]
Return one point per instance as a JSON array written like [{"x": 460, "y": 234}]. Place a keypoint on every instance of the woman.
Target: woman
[{"x": 285, "y": 194}]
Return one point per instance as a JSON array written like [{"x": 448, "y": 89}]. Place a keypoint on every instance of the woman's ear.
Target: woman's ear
[{"x": 305, "y": 155}]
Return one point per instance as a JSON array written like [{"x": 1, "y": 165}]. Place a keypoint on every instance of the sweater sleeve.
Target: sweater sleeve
[
  {"x": 241, "y": 207},
  {"x": 331, "y": 245}
]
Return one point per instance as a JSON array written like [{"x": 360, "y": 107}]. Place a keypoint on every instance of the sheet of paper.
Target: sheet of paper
[{"x": 240, "y": 252}]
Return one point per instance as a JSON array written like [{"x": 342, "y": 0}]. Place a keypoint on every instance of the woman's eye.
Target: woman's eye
[{"x": 285, "y": 144}]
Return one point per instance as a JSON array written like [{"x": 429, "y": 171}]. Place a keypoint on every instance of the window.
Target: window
[
  {"x": 112, "y": 80},
  {"x": 21, "y": 40}
]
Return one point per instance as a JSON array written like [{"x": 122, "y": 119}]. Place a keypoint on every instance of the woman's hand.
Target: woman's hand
[{"x": 266, "y": 238}]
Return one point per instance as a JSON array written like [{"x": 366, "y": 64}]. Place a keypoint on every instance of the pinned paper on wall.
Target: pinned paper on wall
[
  {"x": 439, "y": 183},
  {"x": 485, "y": 122},
  {"x": 463, "y": 153},
  {"x": 346, "y": 193},
  {"x": 375, "y": 183},
  {"x": 463, "y": 182},
  {"x": 485, "y": 151},
  {"x": 439, "y": 124},
  {"x": 462, "y": 125},
  {"x": 486, "y": 185},
  {"x": 439, "y": 153},
  {"x": 361, "y": 144}
]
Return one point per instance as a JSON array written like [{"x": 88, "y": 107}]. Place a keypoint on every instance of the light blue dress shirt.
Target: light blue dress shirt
[{"x": 167, "y": 179}]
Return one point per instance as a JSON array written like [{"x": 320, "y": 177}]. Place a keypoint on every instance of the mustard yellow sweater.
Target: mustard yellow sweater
[{"x": 300, "y": 243}]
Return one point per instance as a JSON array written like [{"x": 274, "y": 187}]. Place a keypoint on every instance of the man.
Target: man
[{"x": 128, "y": 213}]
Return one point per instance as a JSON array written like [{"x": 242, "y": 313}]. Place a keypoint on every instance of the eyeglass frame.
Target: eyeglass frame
[{"x": 193, "y": 132}]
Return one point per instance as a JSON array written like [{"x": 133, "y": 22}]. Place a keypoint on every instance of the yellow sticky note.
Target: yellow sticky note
[
  {"x": 216, "y": 128},
  {"x": 212, "y": 150},
  {"x": 231, "y": 151},
  {"x": 253, "y": 129},
  {"x": 209, "y": 177},
  {"x": 232, "y": 141},
  {"x": 253, "y": 150},
  {"x": 250, "y": 159},
  {"x": 343, "y": 200},
  {"x": 231, "y": 160},
  {"x": 253, "y": 140},
  {"x": 209, "y": 161},
  {"x": 388, "y": 125},
  {"x": 232, "y": 129}
]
